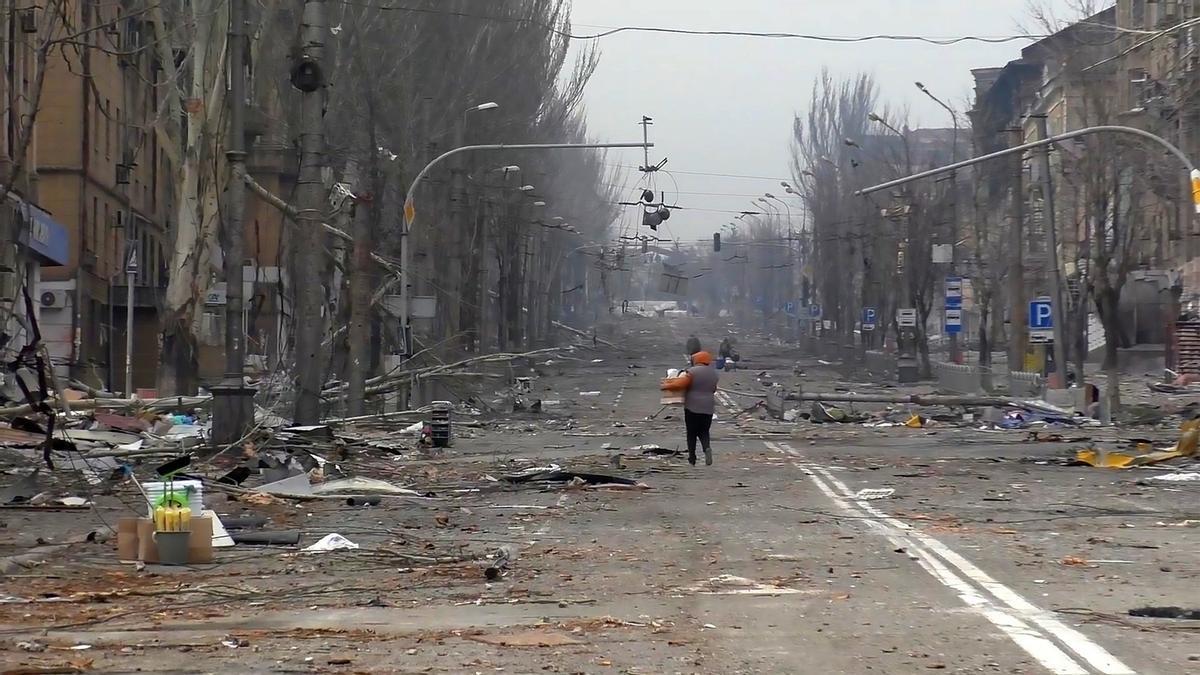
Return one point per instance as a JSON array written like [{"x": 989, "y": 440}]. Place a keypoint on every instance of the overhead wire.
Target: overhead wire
[{"x": 608, "y": 31}]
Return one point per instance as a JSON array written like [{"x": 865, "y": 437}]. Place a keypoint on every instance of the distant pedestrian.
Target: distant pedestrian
[
  {"x": 700, "y": 404},
  {"x": 693, "y": 346}
]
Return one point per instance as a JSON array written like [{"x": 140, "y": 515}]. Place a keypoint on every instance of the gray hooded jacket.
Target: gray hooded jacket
[{"x": 701, "y": 397}]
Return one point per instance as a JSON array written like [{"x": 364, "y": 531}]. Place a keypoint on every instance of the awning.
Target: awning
[{"x": 42, "y": 234}]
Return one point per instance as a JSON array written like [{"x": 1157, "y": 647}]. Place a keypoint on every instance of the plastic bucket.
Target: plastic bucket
[
  {"x": 191, "y": 490},
  {"x": 172, "y": 547}
]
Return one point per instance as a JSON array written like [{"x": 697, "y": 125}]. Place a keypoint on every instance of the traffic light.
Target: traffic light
[{"x": 717, "y": 242}]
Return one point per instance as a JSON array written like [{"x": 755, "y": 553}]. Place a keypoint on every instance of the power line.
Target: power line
[
  {"x": 703, "y": 173},
  {"x": 614, "y": 30},
  {"x": 689, "y": 208},
  {"x": 701, "y": 194}
]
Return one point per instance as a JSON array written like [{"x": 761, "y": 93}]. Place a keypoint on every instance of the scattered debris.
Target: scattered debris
[
  {"x": 556, "y": 475},
  {"x": 1112, "y": 459},
  {"x": 1166, "y": 613},
  {"x": 267, "y": 538},
  {"x": 824, "y": 414},
  {"x": 529, "y": 638},
  {"x": 331, "y": 542},
  {"x": 1180, "y": 477},
  {"x": 728, "y": 584},
  {"x": 499, "y": 562},
  {"x": 362, "y": 486}
]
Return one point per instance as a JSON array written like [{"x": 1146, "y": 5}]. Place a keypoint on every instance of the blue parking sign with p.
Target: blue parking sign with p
[
  {"x": 1041, "y": 314},
  {"x": 868, "y": 318}
]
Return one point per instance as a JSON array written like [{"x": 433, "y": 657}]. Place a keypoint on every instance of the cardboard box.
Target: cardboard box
[
  {"x": 135, "y": 540},
  {"x": 127, "y": 539}
]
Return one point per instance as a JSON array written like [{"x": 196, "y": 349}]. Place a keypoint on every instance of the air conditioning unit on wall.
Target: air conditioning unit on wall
[{"x": 54, "y": 299}]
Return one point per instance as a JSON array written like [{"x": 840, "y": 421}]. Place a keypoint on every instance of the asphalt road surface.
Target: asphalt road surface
[{"x": 805, "y": 549}]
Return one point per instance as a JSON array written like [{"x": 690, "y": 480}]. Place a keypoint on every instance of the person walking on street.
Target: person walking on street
[
  {"x": 693, "y": 346},
  {"x": 699, "y": 405}
]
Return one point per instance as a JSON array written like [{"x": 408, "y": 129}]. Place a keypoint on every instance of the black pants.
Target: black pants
[{"x": 698, "y": 426}]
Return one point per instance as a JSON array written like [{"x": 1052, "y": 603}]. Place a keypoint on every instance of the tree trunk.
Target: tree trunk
[
  {"x": 985, "y": 345},
  {"x": 1107, "y": 306},
  {"x": 177, "y": 374},
  {"x": 359, "y": 335},
  {"x": 197, "y": 152}
]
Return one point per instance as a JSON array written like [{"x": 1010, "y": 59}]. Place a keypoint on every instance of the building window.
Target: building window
[
  {"x": 104, "y": 229},
  {"x": 1137, "y": 13},
  {"x": 1139, "y": 85},
  {"x": 107, "y": 129}
]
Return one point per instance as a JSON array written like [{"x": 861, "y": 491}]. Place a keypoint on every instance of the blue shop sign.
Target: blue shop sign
[{"x": 43, "y": 234}]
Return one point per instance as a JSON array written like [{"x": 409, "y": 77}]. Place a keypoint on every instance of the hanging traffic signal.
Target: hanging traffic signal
[{"x": 717, "y": 242}]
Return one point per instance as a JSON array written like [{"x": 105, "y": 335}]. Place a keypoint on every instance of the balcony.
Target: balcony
[{"x": 144, "y": 296}]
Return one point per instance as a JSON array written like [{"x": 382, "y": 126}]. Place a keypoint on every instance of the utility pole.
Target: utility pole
[
  {"x": 233, "y": 408},
  {"x": 131, "y": 268},
  {"x": 360, "y": 300},
  {"x": 308, "y": 76},
  {"x": 1056, "y": 307},
  {"x": 1018, "y": 331}
]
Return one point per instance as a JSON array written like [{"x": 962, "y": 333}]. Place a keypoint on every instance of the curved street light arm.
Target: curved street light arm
[{"x": 1183, "y": 159}]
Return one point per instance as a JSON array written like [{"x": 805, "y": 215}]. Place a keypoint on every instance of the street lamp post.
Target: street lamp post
[
  {"x": 955, "y": 349},
  {"x": 131, "y": 270},
  {"x": 459, "y": 199},
  {"x": 906, "y": 337},
  {"x": 410, "y": 212}
]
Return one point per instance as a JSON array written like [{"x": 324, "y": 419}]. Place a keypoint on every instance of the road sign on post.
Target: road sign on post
[
  {"x": 814, "y": 311},
  {"x": 953, "y": 321},
  {"x": 906, "y": 317},
  {"x": 868, "y": 318},
  {"x": 954, "y": 292},
  {"x": 1041, "y": 320}
]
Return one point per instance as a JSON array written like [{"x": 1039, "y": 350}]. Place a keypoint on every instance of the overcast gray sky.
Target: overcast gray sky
[{"x": 724, "y": 105}]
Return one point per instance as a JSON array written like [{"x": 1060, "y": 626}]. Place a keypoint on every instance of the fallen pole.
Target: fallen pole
[{"x": 915, "y": 399}]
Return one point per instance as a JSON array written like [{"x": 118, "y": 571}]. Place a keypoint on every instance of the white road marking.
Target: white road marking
[
  {"x": 1017, "y": 617},
  {"x": 617, "y": 400},
  {"x": 727, "y": 401}
]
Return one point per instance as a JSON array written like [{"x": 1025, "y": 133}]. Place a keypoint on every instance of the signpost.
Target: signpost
[
  {"x": 954, "y": 292},
  {"x": 906, "y": 317},
  {"x": 1041, "y": 320},
  {"x": 869, "y": 318},
  {"x": 814, "y": 311},
  {"x": 954, "y": 300},
  {"x": 953, "y": 321}
]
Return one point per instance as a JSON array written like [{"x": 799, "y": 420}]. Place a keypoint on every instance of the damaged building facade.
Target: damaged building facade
[{"x": 1098, "y": 71}]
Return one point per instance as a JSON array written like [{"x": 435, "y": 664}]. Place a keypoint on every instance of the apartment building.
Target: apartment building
[
  {"x": 102, "y": 172},
  {"x": 31, "y": 238}
]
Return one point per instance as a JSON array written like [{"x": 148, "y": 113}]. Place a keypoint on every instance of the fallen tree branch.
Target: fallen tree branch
[
  {"x": 384, "y": 383},
  {"x": 293, "y": 214},
  {"x": 582, "y": 334},
  {"x": 159, "y": 404}
]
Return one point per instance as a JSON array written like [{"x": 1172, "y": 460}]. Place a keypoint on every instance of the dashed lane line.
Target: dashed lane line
[
  {"x": 1030, "y": 627},
  {"x": 727, "y": 401}
]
